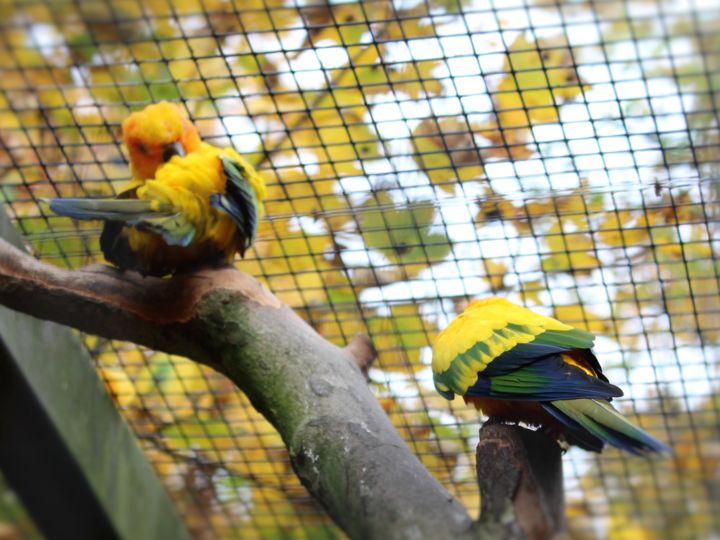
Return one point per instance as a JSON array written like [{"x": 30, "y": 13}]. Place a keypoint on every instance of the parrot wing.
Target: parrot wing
[
  {"x": 239, "y": 200},
  {"x": 148, "y": 215},
  {"x": 545, "y": 379},
  {"x": 130, "y": 211},
  {"x": 499, "y": 339},
  {"x": 175, "y": 228}
]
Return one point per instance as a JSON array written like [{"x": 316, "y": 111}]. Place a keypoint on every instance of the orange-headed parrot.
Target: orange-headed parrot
[
  {"x": 189, "y": 203},
  {"x": 517, "y": 366}
]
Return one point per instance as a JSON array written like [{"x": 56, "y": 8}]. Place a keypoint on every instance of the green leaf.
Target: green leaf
[{"x": 403, "y": 233}]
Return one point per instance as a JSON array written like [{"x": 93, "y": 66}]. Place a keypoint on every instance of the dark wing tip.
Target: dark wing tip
[
  {"x": 614, "y": 391},
  {"x": 116, "y": 248},
  {"x": 642, "y": 444},
  {"x": 239, "y": 201}
]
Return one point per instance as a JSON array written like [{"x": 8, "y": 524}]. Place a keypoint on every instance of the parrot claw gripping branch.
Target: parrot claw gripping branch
[{"x": 188, "y": 203}]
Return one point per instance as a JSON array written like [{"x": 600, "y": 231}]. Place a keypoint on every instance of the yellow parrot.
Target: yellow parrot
[
  {"x": 189, "y": 203},
  {"x": 518, "y": 366}
]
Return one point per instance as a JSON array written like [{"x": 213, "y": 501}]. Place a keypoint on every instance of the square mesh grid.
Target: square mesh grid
[{"x": 419, "y": 154}]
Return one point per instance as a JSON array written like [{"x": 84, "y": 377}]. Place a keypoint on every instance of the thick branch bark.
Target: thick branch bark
[
  {"x": 363, "y": 352},
  {"x": 521, "y": 487},
  {"x": 342, "y": 445}
]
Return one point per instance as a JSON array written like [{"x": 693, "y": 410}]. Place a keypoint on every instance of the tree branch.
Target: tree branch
[
  {"x": 341, "y": 443},
  {"x": 363, "y": 352},
  {"x": 521, "y": 486}
]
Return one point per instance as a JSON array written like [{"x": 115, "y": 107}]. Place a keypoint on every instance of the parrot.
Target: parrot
[
  {"x": 515, "y": 365},
  {"x": 189, "y": 203}
]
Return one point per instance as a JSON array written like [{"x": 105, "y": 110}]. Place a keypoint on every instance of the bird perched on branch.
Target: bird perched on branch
[
  {"x": 517, "y": 366},
  {"x": 189, "y": 203}
]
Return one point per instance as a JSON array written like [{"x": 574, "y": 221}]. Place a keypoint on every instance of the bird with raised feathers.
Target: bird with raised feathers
[
  {"x": 518, "y": 366},
  {"x": 189, "y": 203}
]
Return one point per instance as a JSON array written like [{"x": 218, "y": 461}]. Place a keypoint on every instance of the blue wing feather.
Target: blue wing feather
[
  {"x": 545, "y": 379},
  {"x": 549, "y": 342},
  {"x": 520, "y": 355}
]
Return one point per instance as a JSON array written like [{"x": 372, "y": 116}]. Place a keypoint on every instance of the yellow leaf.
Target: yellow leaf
[
  {"x": 507, "y": 144},
  {"x": 570, "y": 252},
  {"x": 581, "y": 263},
  {"x": 572, "y": 211},
  {"x": 495, "y": 273},
  {"x": 416, "y": 78},
  {"x": 119, "y": 385},
  {"x": 531, "y": 290},
  {"x": 297, "y": 194},
  {"x": 163, "y": 463},
  {"x": 340, "y": 326},
  {"x": 446, "y": 151},
  {"x": 623, "y": 228},
  {"x": 400, "y": 337},
  {"x": 344, "y": 23},
  {"x": 581, "y": 317},
  {"x": 624, "y": 528},
  {"x": 540, "y": 77},
  {"x": 298, "y": 267},
  {"x": 411, "y": 23},
  {"x": 363, "y": 60},
  {"x": 493, "y": 207}
]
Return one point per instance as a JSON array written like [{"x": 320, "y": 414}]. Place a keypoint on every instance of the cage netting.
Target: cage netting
[{"x": 419, "y": 154}]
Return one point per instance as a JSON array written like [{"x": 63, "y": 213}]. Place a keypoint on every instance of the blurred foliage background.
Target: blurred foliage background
[{"x": 420, "y": 153}]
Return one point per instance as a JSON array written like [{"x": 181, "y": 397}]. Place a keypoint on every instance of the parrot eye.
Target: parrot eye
[{"x": 142, "y": 148}]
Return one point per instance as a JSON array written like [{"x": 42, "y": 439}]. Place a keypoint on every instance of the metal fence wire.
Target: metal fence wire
[{"x": 419, "y": 154}]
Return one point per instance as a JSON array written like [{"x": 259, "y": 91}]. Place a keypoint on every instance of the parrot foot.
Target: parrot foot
[
  {"x": 556, "y": 434},
  {"x": 551, "y": 431},
  {"x": 215, "y": 263}
]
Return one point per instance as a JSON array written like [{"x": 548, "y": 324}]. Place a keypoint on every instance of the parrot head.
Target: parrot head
[{"x": 155, "y": 134}]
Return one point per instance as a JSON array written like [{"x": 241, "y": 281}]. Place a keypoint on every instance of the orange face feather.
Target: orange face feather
[{"x": 154, "y": 133}]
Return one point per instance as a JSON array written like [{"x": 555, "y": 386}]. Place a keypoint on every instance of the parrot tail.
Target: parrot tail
[
  {"x": 129, "y": 211},
  {"x": 593, "y": 422}
]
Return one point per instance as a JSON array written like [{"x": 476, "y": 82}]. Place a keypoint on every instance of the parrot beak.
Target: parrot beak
[{"x": 174, "y": 149}]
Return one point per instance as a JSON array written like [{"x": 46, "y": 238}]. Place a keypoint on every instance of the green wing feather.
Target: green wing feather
[
  {"x": 175, "y": 229},
  {"x": 602, "y": 421},
  {"x": 569, "y": 339},
  {"x": 483, "y": 335},
  {"x": 239, "y": 201}
]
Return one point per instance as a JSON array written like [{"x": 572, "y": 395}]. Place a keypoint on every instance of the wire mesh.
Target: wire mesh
[{"x": 419, "y": 154}]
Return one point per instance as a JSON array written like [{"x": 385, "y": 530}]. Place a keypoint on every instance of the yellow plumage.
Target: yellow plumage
[
  {"x": 485, "y": 321},
  {"x": 188, "y": 203},
  {"x": 185, "y": 184}
]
